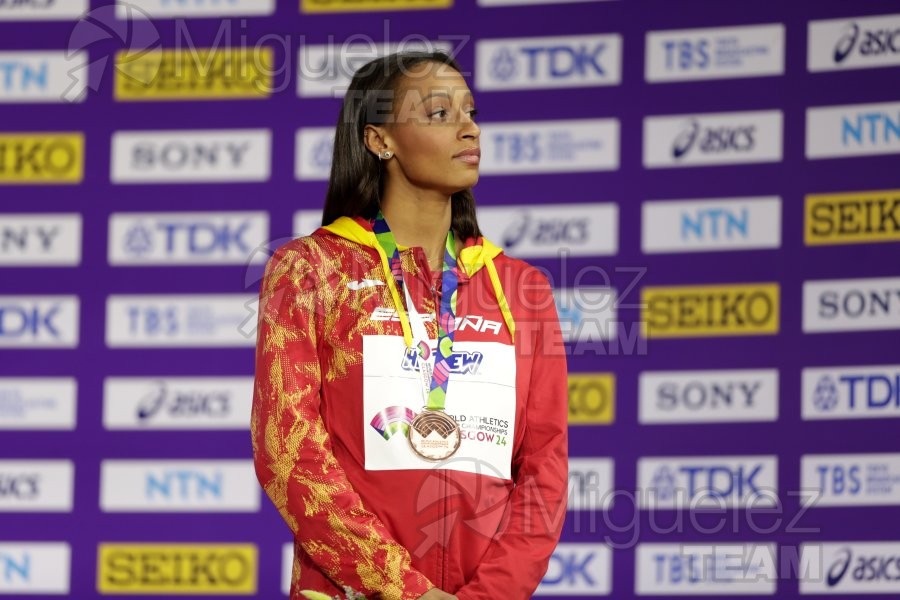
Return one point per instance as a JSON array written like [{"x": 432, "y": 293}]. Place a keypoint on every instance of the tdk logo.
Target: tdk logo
[
  {"x": 19, "y": 321},
  {"x": 186, "y": 238},
  {"x": 722, "y": 482},
  {"x": 867, "y": 42},
  {"x": 196, "y": 238},
  {"x": 717, "y": 481},
  {"x": 580, "y": 569},
  {"x": 713, "y": 140},
  {"x": 38, "y": 321},
  {"x": 548, "y": 62},
  {"x": 461, "y": 362},
  {"x": 851, "y": 392},
  {"x": 555, "y": 61}
]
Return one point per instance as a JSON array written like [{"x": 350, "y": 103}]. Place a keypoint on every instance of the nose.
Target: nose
[{"x": 468, "y": 128}]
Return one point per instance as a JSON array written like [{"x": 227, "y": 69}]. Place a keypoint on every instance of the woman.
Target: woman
[{"x": 410, "y": 404}]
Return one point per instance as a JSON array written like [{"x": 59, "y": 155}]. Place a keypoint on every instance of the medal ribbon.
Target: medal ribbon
[{"x": 446, "y": 317}]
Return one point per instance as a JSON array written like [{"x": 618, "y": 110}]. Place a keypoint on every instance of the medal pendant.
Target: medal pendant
[{"x": 434, "y": 435}]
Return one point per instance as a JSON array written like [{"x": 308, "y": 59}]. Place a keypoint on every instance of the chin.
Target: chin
[{"x": 470, "y": 181}]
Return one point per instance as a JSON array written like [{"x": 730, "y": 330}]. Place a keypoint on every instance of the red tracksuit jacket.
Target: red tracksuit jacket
[{"x": 336, "y": 387}]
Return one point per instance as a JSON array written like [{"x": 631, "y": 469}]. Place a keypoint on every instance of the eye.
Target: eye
[
  {"x": 473, "y": 113},
  {"x": 440, "y": 113}
]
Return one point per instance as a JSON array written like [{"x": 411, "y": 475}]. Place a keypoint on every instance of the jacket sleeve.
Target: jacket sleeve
[
  {"x": 519, "y": 554},
  {"x": 292, "y": 450}
]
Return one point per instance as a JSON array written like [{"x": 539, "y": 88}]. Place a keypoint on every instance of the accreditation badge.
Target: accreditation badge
[{"x": 482, "y": 402}]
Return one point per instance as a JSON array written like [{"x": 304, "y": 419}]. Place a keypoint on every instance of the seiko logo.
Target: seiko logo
[
  {"x": 855, "y": 216},
  {"x": 873, "y": 42},
  {"x": 44, "y": 156},
  {"x": 713, "y": 140}
]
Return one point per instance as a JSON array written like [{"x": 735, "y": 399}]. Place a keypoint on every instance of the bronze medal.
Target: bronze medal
[{"x": 434, "y": 435}]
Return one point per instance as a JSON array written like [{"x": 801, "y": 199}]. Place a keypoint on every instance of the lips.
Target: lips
[{"x": 469, "y": 155}]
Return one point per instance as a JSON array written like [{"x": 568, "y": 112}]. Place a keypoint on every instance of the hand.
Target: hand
[{"x": 437, "y": 594}]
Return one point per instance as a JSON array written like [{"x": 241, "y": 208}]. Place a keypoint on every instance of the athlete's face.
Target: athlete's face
[{"x": 433, "y": 137}]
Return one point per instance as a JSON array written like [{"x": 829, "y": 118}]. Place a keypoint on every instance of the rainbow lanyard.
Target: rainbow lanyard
[{"x": 446, "y": 322}]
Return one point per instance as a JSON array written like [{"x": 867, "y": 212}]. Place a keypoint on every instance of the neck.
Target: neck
[{"x": 418, "y": 218}]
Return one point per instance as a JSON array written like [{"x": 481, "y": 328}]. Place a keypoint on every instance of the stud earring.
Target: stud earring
[{"x": 386, "y": 154}]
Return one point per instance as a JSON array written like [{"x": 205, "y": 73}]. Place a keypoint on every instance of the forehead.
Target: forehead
[{"x": 433, "y": 79}]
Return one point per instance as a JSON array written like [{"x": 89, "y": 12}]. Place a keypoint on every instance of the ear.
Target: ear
[{"x": 376, "y": 139}]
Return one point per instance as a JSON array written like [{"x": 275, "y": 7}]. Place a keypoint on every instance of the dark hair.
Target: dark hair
[{"x": 356, "y": 184}]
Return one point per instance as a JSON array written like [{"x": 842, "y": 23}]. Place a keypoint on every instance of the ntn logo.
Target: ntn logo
[
  {"x": 184, "y": 484},
  {"x": 715, "y": 223},
  {"x": 873, "y": 127}
]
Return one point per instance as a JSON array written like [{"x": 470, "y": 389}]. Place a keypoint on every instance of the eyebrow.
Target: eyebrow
[{"x": 445, "y": 94}]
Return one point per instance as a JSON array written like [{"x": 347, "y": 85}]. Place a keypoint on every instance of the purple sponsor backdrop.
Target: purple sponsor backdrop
[{"x": 626, "y": 440}]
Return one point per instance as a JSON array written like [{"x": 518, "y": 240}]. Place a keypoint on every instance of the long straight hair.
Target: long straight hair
[{"x": 356, "y": 183}]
